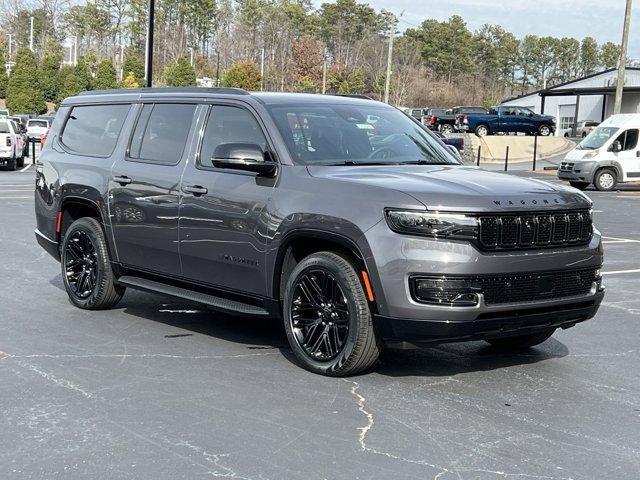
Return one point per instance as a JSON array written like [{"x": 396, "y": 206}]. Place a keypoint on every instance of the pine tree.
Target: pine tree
[
  {"x": 133, "y": 63},
  {"x": 50, "y": 73},
  {"x": 70, "y": 84},
  {"x": 23, "y": 91},
  {"x": 83, "y": 75},
  {"x": 105, "y": 76},
  {"x": 180, "y": 74},
  {"x": 4, "y": 79},
  {"x": 243, "y": 75}
]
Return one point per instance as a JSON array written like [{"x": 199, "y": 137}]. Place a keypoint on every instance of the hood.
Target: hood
[{"x": 460, "y": 188}]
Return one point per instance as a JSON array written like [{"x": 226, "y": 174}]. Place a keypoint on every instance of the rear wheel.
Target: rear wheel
[
  {"x": 12, "y": 163},
  {"x": 579, "y": 185},
  {"x": 20, "y": 162},
  {"x": 86, "y": 268},
  {"x": 327, "y": 317},
  {"x": 521, "y": 341},
  {"x": 605, "y": 180},
  {"x": 446, "y": 128},
  {"x": 482, "y": 130}
]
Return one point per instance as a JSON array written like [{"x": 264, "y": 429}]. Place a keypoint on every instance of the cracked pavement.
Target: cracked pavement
[{"x": 165, "y": 389}]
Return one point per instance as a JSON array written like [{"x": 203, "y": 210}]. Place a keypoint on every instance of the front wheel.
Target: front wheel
[
  {"x": 520, "y": 342},
  {"x": 86, "y": 268},
  {"x": 605, "y": 180},
  {"x": 579, "y": 185},
  {"x": 544, "y": 130},
  {"x": 327, "y": 317}
]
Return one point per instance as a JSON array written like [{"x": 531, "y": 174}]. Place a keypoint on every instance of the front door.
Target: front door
[
  {"x": 222, "y": 228},
  {"x": 144, "y": 189},
  {"x": 629, "y": 157}
]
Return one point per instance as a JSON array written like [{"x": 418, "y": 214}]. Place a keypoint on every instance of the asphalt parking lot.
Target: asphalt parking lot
[{"x": 163, "y": 389}]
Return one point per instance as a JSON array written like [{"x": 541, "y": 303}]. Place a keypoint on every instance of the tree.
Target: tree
[
  {"x": 588, "y": 56},
  {"x": 346, "y": 81},
  {"x": 129, "y": 81},
  {"x": 609, "y": 55},
  {"x": 50, "y": 72},
  {"x": 133, "y": 63},
  {"x": 23, "y": 90},
  {"x": 105, "y": 76},
  {"x": 74, "y": 80},
  {"x": 4, "y": 79},
  {"x": 242, "y": 75},
  {"x": 306, "y": 64},
  {"x": 180, "y": 74}
]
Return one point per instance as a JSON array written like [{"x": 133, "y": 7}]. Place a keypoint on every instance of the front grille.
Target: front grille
[
  {"x": 532, "y": 230},
  {"x": 531, "y": 287},
  {"x": 566, "y": 166}
]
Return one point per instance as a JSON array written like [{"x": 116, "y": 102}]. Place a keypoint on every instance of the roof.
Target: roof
[
  {"x": 267, "y": 98},
  {"x": 560, "y": 90},
  {"x": 622, "y": 119}
]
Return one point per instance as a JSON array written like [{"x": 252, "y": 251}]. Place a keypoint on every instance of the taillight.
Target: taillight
[
  {"x": 8, "y": 141},
  {"x": 465, "y": 119},
  {"x": 432, "y": 119}
]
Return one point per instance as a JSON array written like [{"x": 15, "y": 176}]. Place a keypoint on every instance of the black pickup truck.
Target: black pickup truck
[{"x": 444, "y": 120}]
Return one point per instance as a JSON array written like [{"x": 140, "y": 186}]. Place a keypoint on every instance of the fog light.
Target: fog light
[{"x": 454, "y": 292}]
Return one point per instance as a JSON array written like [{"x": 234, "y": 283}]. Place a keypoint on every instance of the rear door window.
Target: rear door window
[
  {"x": 94, "y": 129},
  {"x": 629, "y": 139},
  {"x": 161, "y": 133}
]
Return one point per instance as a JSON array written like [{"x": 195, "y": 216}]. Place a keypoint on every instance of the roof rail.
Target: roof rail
[
  {"x": 351, "y": 95},
  {"x": 198, "y": 90}
]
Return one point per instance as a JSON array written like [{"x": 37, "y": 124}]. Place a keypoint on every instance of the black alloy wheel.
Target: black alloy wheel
[
  {"x": 81, "y": 264},
  {"x": 319, "y": 315},
  {"x": 327, "y": 316},
  {"x": 86, "y": 266}
]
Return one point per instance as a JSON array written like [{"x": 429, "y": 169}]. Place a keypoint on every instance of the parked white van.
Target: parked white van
[{"x": 609, "y": 155}]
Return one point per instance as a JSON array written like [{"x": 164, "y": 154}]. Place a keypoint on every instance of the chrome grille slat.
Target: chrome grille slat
[{"x": 531, "y": 230}]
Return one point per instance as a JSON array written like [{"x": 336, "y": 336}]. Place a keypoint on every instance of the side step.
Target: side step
[{"x": 203, "y": 298}]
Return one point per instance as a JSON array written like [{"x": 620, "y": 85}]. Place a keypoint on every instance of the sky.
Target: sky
[{"x": 601, "y": 19}]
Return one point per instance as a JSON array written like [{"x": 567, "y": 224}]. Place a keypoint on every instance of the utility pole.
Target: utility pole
[
  {"x": 617, "y": 106},
  {"x": 31, "y": 33},
  {"x": 148, "y": 64},
  {"x": 392, "y": 34},
  {"x": 324, "y": 70},
  {"x": 262, "y": 70},
  {"x": 10, "y": 35}
]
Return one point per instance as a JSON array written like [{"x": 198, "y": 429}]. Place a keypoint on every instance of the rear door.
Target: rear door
[
  {"x": 144, "y": 191},
  {"x": 222, "y": 230},
  {"x": 510, "y": 120}
]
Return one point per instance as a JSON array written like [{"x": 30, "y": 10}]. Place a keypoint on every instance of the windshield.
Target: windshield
[
  {"x": 38, "y": 123},
  {"x": 597, "y": 138},
  {"x": 356, "y": 135}
]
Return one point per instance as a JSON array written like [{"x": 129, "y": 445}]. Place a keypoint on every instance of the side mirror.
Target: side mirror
[
  {"x": 244, "y": 156},
  {"x": 616, "y": 147}
]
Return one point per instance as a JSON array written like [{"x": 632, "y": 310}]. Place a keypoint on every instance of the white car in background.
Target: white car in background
[
  {"x": 11, "y": 145},
  {"x": 36, "y": 128}
]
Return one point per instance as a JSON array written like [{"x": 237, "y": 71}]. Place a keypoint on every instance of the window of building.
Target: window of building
[
  {"x": 229, "y": 125},
  {"x": 161, "y": 132},
  {"x": 566, "y": 123},
  {"x": 94, "y": 129}
]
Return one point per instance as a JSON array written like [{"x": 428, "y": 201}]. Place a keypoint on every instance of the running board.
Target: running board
[{"x": 203, "y": 298}]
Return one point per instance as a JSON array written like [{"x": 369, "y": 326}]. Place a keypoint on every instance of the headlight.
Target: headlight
[
  {"x": 590, "y": 154},
  {"x": 433, "y": 224}
]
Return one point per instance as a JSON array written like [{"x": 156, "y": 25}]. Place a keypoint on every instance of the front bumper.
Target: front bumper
[
  {"x": 577, "y": 171},
  {"x": 399, "y": 257}
]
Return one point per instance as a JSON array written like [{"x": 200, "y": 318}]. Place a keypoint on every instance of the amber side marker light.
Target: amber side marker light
[{"x": 367, "y": 286}]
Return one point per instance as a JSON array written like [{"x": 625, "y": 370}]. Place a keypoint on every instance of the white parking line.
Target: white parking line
[
  {"x": 17, "y": 190},
  {"x": 3, "y": 198},
  {"x": 617, "y": 272},
  {"x": 619, "y": 240},
  {"x": 26, "y": 168}
]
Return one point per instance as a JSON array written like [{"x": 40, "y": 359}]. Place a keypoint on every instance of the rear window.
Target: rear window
[
  {"x": 38, "y": 123},
  {"x": 4, "y": 127},
  {"x": 161, "y": 133},
  {"x": 94, "y": 129}
]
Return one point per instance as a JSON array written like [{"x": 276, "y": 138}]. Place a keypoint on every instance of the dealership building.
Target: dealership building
[{"x": 587, "y": 98}]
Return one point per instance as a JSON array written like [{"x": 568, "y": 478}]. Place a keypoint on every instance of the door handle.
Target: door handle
[
  {"x": 196, "y": 190},
  {"x": 122, "y": 180}
]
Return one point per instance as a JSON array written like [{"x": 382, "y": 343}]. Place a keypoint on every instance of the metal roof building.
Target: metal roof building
[{"x": 587, "y": 98}]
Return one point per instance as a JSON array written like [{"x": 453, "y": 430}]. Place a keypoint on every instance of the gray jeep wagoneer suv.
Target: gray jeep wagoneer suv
[{"x": 342, "y": 216}]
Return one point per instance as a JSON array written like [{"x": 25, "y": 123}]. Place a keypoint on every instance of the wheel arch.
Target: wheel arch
[{"x": 300, "y": 243}]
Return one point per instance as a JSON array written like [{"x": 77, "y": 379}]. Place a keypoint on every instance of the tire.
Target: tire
[
  {"x": 521, "y": 342},
  {"x": 336, "y": 300},
  {"x": 12, "y": 164},
  {"x": 579, "y": 185},
  {"x": 482, "y": 130},
  {"x": 544, "y": 130},
  {"x": 605, "y": 180},
  {"x": 446, "y": 128},
  {"x": 20, "y": 162},
  {"x": 84, "y": 249}
]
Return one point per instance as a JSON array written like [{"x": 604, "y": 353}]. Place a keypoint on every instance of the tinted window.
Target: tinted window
[
  {"x": 38, "y": 123},
  {"x": 94, "y": 130},
  {"x": 4, "y": 127},
  {"x": 161, "y": 132},
  {"x": 229, "y": 125}
]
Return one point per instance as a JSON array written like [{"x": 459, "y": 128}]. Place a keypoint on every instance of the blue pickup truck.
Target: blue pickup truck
[{"x": 507, "y": 120}]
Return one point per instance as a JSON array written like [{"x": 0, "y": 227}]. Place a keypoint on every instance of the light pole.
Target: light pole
[
  {"x": 148, "y": 64},
  {"x": 392, "y": 34},
  {"x": 31, "y": 33},
  {"x": 617, "y": 106}
]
